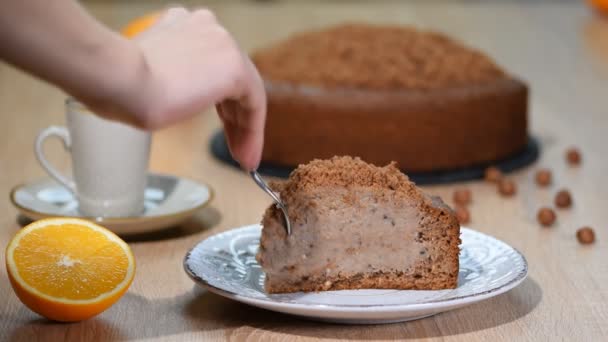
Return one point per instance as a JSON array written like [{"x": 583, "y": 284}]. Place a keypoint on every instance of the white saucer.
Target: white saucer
[
  {"x": 225, "y": 264},
  {"x": 169, "y": 200}
]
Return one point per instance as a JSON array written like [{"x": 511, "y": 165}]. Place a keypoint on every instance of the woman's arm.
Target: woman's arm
[
  {"x": 185, "y": 63},
  {"x": 60, "y": 43}
]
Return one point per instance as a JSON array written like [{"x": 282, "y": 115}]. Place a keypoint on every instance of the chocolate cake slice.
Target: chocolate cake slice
[{"x": 356, "y": 226}]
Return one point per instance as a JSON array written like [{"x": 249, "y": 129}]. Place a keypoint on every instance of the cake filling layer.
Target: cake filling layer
[
  {"x": 356, "y": 225},
  {"x": 345, "y": 235}
]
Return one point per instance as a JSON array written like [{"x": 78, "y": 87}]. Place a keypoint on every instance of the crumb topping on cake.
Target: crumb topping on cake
[
  {"x": 346, "y": 172},
  {"x": 375, "y": 57}
]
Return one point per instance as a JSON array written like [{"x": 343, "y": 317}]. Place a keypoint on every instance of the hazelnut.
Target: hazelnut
[
  {"x": 563, "y": 199},
  {"x": 546, "y": 216},
  {"x": 585, "y": 235},
  {"x": 463, "y": 215},
  {"x": 573, "y": 156},
  {"x": 492, "y": 174},
  {"x": 507, "y": 187},
  {"x": 543, "y": 177},
  {"x": 462, "y": 196}
]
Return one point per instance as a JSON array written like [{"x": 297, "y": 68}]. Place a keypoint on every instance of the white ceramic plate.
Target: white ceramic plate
[
  {"x": 225, "y": 264},
  {"x": 169, "y": 200}
]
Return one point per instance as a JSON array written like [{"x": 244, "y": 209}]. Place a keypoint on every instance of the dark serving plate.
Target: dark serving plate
[{"x": 525, "y": 157}]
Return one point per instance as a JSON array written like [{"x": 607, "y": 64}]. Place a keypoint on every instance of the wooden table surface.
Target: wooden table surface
[{"x": 560, "y": 49}]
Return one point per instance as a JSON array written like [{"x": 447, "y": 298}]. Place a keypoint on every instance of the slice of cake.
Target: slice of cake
[{"x": 356, "y": 226}]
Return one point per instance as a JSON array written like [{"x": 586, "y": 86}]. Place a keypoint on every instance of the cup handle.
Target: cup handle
[{"x": 64, "y": 135}]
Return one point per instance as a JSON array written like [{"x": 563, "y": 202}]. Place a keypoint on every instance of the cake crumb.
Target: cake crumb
[
  {"x": 376, "y": 57},
  {"x": 346, "y": 172}
]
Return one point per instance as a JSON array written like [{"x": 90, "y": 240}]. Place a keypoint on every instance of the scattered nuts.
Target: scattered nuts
[
  {"x": 573, "y": 156},
  {"x": 546, "y": 216},
  {"x": 462, "y": 196},
  {"x": 493, "y": 174},
  {"x": 585, "y": 235},
  {"x": 463, "y": 215},
  {"x": 563, "y": 199},
  {"x": 506, "y": 187},
  {"x": 543, "y": 177}
]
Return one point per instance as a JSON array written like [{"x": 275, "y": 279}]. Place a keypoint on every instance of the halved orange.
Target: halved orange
[
  {"x": 140, "y": 24},
  {"x": 68, "y": 269}
]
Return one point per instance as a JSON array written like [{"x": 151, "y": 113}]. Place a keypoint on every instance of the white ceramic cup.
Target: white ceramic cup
[{"x": 109, "y": 162}]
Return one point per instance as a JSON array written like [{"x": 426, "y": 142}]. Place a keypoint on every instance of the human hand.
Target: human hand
[{"x": 193, "y": 63}]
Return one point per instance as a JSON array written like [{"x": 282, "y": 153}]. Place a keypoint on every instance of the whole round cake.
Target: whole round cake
[{"x": 387, "y": 93}]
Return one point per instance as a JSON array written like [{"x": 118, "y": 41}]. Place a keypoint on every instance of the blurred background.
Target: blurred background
[{"x": 548, "y": 43}]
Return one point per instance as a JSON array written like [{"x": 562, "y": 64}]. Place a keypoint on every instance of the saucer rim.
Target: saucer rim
[{"x": 115, "y": 220}]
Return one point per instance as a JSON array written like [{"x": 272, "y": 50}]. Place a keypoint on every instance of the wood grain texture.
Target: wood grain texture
[{"x": 560, "y": 49}]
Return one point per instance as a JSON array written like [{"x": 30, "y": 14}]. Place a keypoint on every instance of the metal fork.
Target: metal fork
[{"x": 279, "y": 204}]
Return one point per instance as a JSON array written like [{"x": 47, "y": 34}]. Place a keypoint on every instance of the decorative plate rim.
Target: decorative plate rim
[{"x": 431, "y": 304}]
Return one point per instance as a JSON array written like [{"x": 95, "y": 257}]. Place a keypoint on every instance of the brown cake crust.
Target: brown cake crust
[
  {"x": 452, "y": 109},
  {"x": 360, "y": 281},
  {"x": 366, "y": 56},
  {"x": 347, "y": 171},
  {"x": 327, "y": 187}
]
